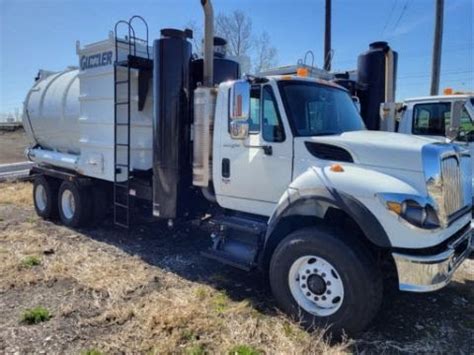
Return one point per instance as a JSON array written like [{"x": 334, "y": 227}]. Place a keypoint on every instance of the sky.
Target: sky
[{"x": 42, "y": 34}]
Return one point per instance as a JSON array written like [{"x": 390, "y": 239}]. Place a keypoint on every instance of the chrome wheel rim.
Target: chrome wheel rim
[
  {"x": 40, "y": 197},
  {"x": 316, "y": 285},
  {"x": 68, "y": 204}
]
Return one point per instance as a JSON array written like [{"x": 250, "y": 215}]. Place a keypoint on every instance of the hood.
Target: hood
[{"x": 380, "y": 149}]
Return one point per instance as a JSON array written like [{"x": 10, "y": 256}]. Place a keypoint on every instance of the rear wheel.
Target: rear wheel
[
  {"x": 324, "y": 281},
  {"x": 45, "y": 192},
  {"x": 74, "y": 202}
]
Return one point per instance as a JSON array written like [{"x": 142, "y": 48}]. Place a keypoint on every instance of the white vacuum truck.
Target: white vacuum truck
[{"x": 298, "y": 187}]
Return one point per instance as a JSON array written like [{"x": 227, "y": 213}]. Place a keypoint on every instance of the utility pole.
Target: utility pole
[
  {"x": 438, "y": 39},
  {"x": 327, "y": 37}
]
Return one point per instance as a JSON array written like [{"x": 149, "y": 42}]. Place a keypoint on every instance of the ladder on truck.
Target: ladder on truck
[{"x": 123, "y": 65}]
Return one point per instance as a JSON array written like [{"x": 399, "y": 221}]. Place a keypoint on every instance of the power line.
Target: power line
[
  {"x": 389, "y": 17},
  {"x": 401, "y": 15},
  {"x": 442, "y": 74}
]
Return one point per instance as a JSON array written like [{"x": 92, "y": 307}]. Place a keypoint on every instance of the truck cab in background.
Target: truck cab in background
[
  {"x": 443, "y": 117},
  {"x": 432, "y": 116}
]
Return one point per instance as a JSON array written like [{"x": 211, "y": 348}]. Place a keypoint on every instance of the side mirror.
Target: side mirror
[
  {"x": 455, "y": 122},
  {"x": 239, "y": 129},
  {"x": 240, "y": 100}
]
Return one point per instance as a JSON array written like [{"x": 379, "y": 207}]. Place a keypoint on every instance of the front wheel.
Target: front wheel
[{"x": 324, "y": 281}]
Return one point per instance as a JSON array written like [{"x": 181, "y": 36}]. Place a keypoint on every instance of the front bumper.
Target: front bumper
[{"x": 424, "y": 273}]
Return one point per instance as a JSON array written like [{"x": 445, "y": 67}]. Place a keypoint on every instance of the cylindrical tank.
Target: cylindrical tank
[
  {"x": 377, "y": 80},
  {"x": 171, "y": 122},
  {"x": 51, "y": 111},
  {"x": 224, "y": 68}
]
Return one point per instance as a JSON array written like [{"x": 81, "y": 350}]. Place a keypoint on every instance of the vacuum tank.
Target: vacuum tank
[
  {"x": 52, "y": 110},
  {"x": 69, "y": 115}
]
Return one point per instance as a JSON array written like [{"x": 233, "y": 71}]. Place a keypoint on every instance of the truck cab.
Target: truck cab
[
  {"x": 432, "y": 117},
  {"x": 295, "y": 152}
]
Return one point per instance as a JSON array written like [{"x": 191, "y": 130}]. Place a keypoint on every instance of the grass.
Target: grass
[
  {"x": 31, "y": 261},
  {"x": 196, "y": 350},
  {"x": 16, "y": 193},
  {"x": 221, "y": 302},
  {"x": 91, "y": 352},
  {"x": 35, "y": 315},
  {"x": 125, "y": 302},
  {"x": 244, "y": 350}
]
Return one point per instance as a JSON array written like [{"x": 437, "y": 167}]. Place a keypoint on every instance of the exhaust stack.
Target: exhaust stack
[
  {"x": 204, "y": 106},
  {"x": 208, "y": 79}
]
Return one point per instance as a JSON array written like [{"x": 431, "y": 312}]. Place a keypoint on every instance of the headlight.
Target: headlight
[{"x": 415, "y": 210}]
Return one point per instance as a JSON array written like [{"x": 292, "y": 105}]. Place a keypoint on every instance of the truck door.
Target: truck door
[{"x": 256, "y": 171}]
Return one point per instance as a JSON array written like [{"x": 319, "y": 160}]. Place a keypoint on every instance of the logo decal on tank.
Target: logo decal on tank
[{"x": 96, "y": 60}]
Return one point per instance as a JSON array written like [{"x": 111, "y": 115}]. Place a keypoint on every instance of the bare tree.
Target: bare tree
[
  {"x": 236, "y": 28},
  {"x": 265, "y": 53},
  {"x": 197, "y": 36}
]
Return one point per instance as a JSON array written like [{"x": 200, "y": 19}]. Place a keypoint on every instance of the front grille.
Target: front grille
[{"x": 452, "y": 185}]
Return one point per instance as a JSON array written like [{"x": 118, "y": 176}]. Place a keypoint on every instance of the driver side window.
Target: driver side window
[{"x": 272, "y": 127}]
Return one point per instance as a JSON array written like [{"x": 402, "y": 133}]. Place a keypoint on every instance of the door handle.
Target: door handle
[
  {"x": 225, "y": 168},
  {"x": 267, "y": 149}
]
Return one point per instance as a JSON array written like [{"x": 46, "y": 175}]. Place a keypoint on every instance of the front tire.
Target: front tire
[
  {"x": 324, "y": 281},
  {"x": 75, "y": 205}
]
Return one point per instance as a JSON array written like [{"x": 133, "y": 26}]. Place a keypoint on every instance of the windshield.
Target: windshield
[{"x": 314, "y": 109}]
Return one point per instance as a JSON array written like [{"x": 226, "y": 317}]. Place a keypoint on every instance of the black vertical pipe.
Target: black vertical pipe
[
  {"x": 327, "y": 37},
  {"x": 437, "y": 44},
  {"x": 171, "y": 123}
]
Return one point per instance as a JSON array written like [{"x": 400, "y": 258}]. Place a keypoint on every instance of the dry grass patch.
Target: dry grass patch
[
  {"x": 131, "y": 305},
  {"x": 16, "y": 193},
  {"x": 185, "y": 319}
]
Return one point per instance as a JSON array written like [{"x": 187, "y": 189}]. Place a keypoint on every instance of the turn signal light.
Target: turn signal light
[
  {"x": 336, "y": 168},
  {"x": 395, "y": 207},
  {"x": 448, "y": 91},
  {"x": 302, "y": 72}
]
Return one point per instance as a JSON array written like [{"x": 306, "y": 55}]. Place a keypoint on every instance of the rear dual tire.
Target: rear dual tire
[
  {"x": 45, "y": 195},
  {"x": 74, "y": 204}
]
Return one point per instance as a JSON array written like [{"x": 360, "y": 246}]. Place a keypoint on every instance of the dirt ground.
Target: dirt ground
[
  {"x": 150, "y": 291},
  {"x": 12, "y": 146}
]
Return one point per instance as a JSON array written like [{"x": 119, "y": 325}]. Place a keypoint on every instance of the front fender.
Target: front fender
[
  {"x": 316, "y": 201},
  {"x": 354, "y": 191}
]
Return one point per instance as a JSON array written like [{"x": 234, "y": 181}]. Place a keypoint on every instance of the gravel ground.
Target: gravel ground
[{"x": 150, "y": 291}]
